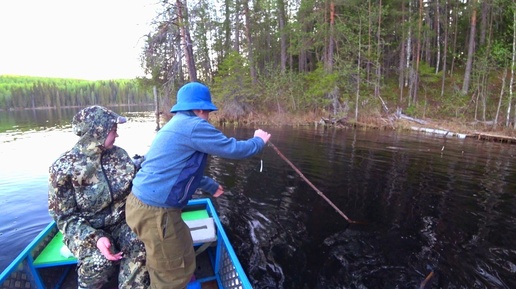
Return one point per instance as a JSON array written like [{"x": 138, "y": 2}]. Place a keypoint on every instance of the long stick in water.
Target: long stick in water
[{"x": 310, "y": 183}]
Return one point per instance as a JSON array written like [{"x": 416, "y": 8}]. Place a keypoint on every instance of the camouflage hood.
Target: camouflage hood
[{"x": 93, "y": 125}]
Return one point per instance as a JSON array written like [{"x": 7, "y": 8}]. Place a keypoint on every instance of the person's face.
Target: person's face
[{"x": 110, "y": 140}]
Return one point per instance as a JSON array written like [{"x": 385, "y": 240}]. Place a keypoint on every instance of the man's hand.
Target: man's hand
[
  {"x": 219, "y": 192},
  {"x": 104, "y": 244},
  {"x": 265, "y": 136}
]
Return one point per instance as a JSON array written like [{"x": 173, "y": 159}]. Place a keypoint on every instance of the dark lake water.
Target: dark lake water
[{"x": 428, "y": 208}]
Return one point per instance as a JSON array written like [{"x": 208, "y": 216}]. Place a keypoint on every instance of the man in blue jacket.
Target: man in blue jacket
[{"x": 170, "y": 174}]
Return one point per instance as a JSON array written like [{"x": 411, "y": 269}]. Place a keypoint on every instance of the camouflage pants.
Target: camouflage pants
[
  {"x": 168, "y": 243},
  {"x": 94, "y": 270}
]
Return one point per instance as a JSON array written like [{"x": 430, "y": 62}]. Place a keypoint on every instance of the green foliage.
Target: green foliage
[
  {"x": 318, "y": 84},
  {"x": 455, "y": 105},
  {"x": 232, "y": 88},
  {"x": 411, "y": 110},
  {"x": 427, "y": 74},
  {"x": 284, "y": 91},
  {"x": 501, "y": 53}
]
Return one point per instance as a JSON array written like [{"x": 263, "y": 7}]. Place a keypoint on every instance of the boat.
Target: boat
[{"x": 45, "y": 263}]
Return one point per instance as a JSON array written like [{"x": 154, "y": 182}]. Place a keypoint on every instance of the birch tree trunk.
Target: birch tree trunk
[
  {"x": 455, "y": 33},
  {"x": 513, "y": 64},
  {"x": 378, "y": 72},
  {"x": 403, "y": 49},
  {"x": 495, "y": 123},
  {"x": 417, "y": 55},
  {"x": 359, "y": 63},
  {"x": 409, "y": 53},
  {"x": 438, "y": 35},
  {"x": 369, "y": 44},
  {"x": 445, "y": 49}
]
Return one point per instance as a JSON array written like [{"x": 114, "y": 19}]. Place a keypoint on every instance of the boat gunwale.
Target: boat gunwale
[
  {"x": 246, "y": 284},
  {"x": 26, "y": 252}
]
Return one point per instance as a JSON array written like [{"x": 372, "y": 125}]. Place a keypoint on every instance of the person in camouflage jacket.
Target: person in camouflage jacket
[{"x": 88, "y": 187}]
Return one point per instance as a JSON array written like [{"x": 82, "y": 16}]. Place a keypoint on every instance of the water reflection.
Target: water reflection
[{"x": 40, "y": 119}]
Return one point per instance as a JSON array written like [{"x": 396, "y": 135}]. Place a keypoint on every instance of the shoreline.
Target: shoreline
[{"x": 448, "y": 128}]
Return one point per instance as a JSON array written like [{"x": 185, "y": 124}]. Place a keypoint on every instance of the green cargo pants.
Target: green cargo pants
[{"x": 168, "y": 243}]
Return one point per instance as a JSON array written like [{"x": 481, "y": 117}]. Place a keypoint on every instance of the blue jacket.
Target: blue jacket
[{"x": 174, "y": 165}]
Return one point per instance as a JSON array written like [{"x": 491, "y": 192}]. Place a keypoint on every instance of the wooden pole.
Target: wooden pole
[
  {"x": 156, "y": 104},
  {"x": 312, "y": 185}
]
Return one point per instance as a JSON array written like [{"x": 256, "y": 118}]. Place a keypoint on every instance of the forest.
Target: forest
[
  {"x": 22, "y": 92},
  {"x": 354, "y": 59}
]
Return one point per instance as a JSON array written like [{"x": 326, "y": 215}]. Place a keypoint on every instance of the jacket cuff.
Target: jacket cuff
[
  {"x": 209, "y": 185},
  {"x": 97, "y": 235}
]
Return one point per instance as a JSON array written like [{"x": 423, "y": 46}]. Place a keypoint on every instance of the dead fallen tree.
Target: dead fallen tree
[
  {"x": 439, "y": 131},
  {"x": 443, "y": 132},
  {"x": 400, "y": 115}
]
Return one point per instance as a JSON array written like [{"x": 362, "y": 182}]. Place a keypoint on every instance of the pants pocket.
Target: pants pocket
[{"x": 175, "y": 272}]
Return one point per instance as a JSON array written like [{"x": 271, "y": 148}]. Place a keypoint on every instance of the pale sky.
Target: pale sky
[{"x": 84, "y": 39}]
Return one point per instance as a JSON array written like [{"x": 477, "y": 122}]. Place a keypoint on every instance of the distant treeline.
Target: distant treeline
[{"x": 19, "y": 92}]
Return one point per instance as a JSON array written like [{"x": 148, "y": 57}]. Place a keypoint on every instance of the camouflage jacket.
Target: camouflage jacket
[{"x": 89, "y": 184}]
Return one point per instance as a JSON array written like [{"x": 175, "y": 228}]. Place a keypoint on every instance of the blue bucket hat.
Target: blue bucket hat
[{"x": 193, "y": 95}]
